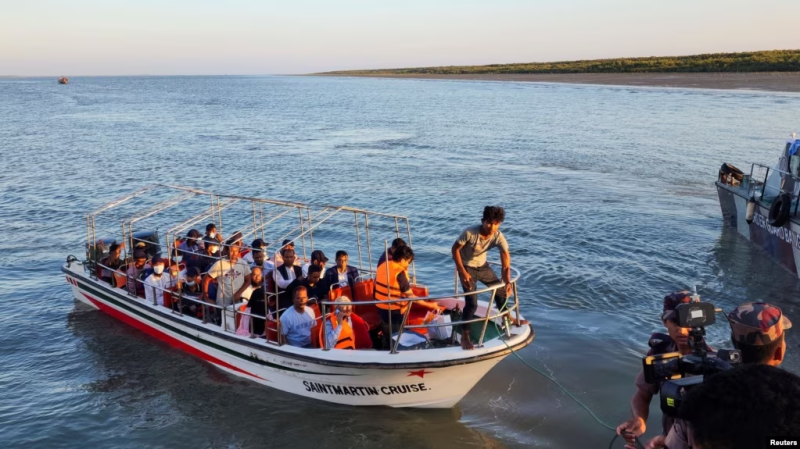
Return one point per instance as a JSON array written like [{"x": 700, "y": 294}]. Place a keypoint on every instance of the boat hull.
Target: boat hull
[
  {"x": 425, "y": 378},
  {"x": 780, "y": 243}
]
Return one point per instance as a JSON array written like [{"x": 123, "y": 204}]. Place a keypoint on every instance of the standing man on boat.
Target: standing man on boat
[
  {"x": 469, "y": 255},
  {"x": 231, "y": 273}
]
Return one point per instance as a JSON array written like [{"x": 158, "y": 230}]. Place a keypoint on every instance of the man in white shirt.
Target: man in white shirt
[
  {"x": 232, "y": 275},
  {"x": 157, "y": 283},
  {"x": 317, "y": 258},
  {"x": 257, "y": 245},
  {"x": 260, "y": 261},
  {"x": 297, "y": 321}
]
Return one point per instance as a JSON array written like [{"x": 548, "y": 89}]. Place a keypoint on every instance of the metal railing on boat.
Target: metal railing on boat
[{"x": 233, "y": 308}]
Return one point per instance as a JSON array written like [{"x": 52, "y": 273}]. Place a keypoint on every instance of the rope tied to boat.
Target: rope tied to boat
[{"x": 570, "y": 395}]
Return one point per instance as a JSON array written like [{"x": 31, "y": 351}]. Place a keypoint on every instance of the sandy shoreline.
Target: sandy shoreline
[{"x": 770, "y": 81}]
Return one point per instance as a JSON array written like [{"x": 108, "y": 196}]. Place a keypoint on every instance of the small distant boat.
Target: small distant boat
[{"x": 63, "y": 80}]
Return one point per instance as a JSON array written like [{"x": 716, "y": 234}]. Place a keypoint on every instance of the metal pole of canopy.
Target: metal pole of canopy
[
  {"x": 213, "y": 218},
  {"x": 388, "y": 294},
  {"x": 261, "y": 212},
  {"x": 219, "y": 214},
  {"x": 369, "y": 247},
  {"x": 358, "y": 242},
  {"x": 413, "y": 264},
  {"x": 310, "y": 230},
  {"x": 255, "y": 224},
  {"x": 302, "y": 231}
]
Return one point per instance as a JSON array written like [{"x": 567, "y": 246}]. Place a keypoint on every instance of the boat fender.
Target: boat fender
[
  {"x": 751, "y": 210},
  {"x": 660, "y": 344},
  {"x": 779, "y": 211}
]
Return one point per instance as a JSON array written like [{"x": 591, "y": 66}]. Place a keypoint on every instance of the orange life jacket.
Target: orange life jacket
[
  {"x": 347, "y": 339},
  {"x": 383, "y": 292}
]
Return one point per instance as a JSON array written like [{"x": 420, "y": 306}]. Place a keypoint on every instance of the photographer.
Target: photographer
[
  {"x": 676, "y": 341},
  {"x": 757, "y": 331},
  {"x": 744, "y": 408}
]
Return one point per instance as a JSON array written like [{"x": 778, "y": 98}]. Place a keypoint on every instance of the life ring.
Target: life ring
[{"x": 779, "y": 211}]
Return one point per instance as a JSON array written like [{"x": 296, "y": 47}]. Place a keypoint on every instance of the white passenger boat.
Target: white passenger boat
[{"x": 437, "y": 374}]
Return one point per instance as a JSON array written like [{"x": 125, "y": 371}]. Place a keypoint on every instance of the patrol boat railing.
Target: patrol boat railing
[{"x": 756, "y": 185}]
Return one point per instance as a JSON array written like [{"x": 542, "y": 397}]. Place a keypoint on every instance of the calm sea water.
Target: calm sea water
[{"x": 610, "y": 204}]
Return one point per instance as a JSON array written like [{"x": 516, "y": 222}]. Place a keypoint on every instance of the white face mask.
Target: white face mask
[
  {"x": 190, "y": 283},
  {"x": 212, "y": 234},
  {"x": 213, "y": 249},
  {"x": 158, "y": 269}
]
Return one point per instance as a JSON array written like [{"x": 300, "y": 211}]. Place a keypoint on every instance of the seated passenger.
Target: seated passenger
[
  {"x": 285, "y": 274},
  {"x": 134, "y": 270},
  {"x": 316, "y": 287},
  {"x": 191, "y": 248},
  {"x": 209, "y": 257},
  {"x": 297, "y": 321},
  {"x": 259, "y": 256},
  {"x": 339, "y": 327},
  {"x": 256, "y": 282},
  {"x": 257, "y": 244},
  {"x": 190, "y": 287},
  {"x": 317, "y": 258},
  {"x": 277, "y": 259},
  {"x": 211, "y": 233},
  {"x": 396, "y": 243},
  {"x": 157, "y": 283},
  {"x": 258, "y": 307},
  {"x": 394, "y": 272},
  {"x": 112, "y": 263},
  {"x": 342, "y": 274}
]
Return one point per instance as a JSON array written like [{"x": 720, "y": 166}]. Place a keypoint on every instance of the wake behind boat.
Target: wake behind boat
[{"x": 421, "y": 364}]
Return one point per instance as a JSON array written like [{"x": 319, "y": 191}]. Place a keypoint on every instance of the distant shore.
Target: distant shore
[{"x": 767, "y": 81}]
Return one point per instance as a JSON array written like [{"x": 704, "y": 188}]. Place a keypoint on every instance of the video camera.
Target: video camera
[{"x": 670, "y": 370}]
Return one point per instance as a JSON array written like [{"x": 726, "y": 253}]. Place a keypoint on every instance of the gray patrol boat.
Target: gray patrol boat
[{"x": 762, "y": 204}]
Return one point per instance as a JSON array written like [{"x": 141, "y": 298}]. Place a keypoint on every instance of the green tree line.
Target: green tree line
[{"x": 759, "y": 61}]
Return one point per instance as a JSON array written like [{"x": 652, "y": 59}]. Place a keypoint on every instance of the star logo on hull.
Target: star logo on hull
[{"x": 420, "y": 373}]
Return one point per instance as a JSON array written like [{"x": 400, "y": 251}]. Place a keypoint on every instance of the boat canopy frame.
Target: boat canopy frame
[{"x": 306, "y": 226}]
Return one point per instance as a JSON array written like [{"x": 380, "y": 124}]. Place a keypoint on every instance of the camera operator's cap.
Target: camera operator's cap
[
  {"x": 672, "y": 301},
  {"x": 757, "y": 323},
  {"x": 319, "y": 256}
]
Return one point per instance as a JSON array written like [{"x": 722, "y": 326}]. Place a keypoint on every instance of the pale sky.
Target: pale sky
[{"x": 182, "y": 37}]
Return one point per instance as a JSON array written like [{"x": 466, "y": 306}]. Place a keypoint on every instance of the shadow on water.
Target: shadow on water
[
  {"x": 741, "y": 272},
  {"x": 158, "y": 389}
]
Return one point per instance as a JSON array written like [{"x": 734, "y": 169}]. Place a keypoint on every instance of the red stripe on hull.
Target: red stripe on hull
[{"x": 164, "y": 337}]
